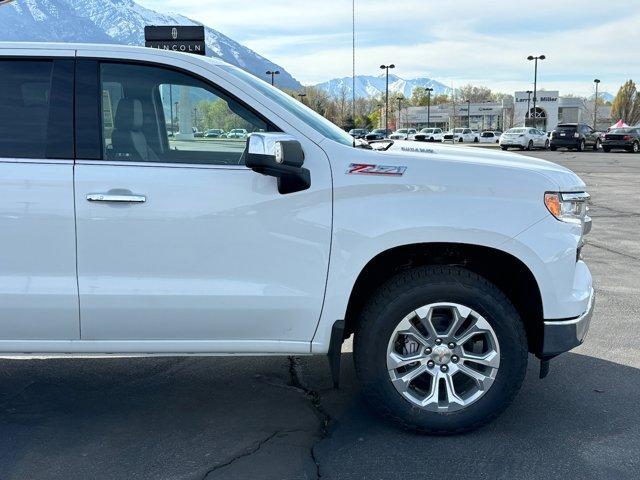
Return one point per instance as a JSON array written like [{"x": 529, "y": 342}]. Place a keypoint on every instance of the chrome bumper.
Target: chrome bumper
[{"x": 562, "y": 335}]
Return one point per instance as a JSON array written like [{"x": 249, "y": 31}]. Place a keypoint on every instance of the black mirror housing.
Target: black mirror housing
[{"x": 278, "y": 155}]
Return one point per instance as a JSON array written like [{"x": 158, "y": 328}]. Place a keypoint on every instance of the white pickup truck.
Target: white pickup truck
[{"x": 448, "y": 265}]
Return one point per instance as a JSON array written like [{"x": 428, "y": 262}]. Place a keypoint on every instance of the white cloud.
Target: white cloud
[{"x": 466, "y": 41}]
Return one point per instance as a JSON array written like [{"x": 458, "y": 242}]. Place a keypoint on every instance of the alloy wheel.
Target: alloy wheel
[{"x": 443, "y": 357}]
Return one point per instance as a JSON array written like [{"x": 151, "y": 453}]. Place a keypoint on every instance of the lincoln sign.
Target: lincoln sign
[{"x": 188, "y": 39}]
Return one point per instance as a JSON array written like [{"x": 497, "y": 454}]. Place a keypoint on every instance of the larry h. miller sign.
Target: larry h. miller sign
[{"x": 186, "y": 38}]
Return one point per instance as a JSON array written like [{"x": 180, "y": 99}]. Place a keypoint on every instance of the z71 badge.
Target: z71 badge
[{"x": 369, "y": 169}]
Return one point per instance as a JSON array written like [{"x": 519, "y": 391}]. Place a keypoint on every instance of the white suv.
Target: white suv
[
  {"x": 461, "y": 135},
  {"x": 447, "y": 265}
]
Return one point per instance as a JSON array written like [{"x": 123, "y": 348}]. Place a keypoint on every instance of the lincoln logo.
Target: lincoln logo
[{"x": 174, "y": 33}]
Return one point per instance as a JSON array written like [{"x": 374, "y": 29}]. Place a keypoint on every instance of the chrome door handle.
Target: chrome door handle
[{"x": 109, "y": 197}]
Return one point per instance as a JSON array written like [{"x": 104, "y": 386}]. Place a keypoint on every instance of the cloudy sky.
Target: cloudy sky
[{"x": 457, "y": 42}]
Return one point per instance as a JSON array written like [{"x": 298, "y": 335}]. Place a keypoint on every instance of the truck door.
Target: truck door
[
  {"x": 38, "y": 288},
  {"x": 177, "y": 240}
]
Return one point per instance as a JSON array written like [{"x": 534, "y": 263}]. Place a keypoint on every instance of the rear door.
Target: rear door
[
  {"x": 181, "y": 246},
  {"x": 38, "y": 288}
]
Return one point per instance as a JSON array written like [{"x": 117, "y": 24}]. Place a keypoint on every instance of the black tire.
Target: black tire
[
  {"x": 635, "y": 148},
  {"x": 476, "y": 140},
  {"x": 581, "y": 146},
  {"x": 530, "y": 145},
  {"x": 460, "y": 140},
  {"x": 546, "y": 145},
  {"x": 606, "y": 149},
  {"x": 596, "y": 146},
  {"x": 421, "y": 286},
  {"x": 504, "y": 148},
  {"x": 553, "y": 148}
]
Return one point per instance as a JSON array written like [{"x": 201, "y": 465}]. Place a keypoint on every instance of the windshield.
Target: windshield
[
  {"x": 293, "y": 106},
  {"x": 427, "y": 130},
  {"x": 517, "y": 130},
  {"x": 458, "y": 130}
]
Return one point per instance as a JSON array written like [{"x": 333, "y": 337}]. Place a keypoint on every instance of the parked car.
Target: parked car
[
  {"x": 237, "y": 133},
  {"x": 197, "y": 133},
  {"x": 429, "y": 135},
  {"x": 524, "y": 138},
  {"x": 214, "y": 133},
  {"x": 461, "y": 135},
  {"x": 358, "y": 132},
  {"x": 622, "y": 138},
  {"x": 447, "y": 265},
  {"x": 378, "y": 134},
  {"x": 403, "y": 134},
  {"x": 490, "y": 137},
  {"x": 575, "y": 136}
]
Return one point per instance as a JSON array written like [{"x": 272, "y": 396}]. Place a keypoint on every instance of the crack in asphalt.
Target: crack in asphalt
[
  {"x": 316, "y": 403},
  {"x": 246, "y": 453},
  {"x": 611, "y": 250}
]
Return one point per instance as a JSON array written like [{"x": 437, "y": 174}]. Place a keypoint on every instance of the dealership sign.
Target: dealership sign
[
  {"x": 188, "y": 39},
  {"x": 544, "y": 96}
]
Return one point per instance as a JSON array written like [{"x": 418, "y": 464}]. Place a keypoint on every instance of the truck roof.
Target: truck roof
[{"x": 106, "y": 47}]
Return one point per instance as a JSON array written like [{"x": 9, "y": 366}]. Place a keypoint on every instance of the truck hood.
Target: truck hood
[{"x": 563, "y": 178}]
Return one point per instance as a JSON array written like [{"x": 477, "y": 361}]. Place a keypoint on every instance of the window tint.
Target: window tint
[
  {"x": 152, "y": 114},
  {"x": 26, "y": 100}
]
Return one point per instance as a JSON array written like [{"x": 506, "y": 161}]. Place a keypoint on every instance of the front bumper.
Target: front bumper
[{"x": 562, "y": 335}]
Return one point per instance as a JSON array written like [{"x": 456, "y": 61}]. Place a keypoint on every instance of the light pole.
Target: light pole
[
  {"x": 535, "y": 86},
  {"x": 528, "y": 114},
  {"x": 386, "y": 95},
  {"x": 468, "y": 113},
  {"x": 273, "y": 74},
  {"x": 429, "y": 90},
  {"x": 595, "y": 105},
  {"x": 301, "y": 96},
  {"x": 400, "y": 98}
]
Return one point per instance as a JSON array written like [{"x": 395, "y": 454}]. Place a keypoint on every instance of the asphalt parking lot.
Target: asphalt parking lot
[{"x": 278, "y": 418}]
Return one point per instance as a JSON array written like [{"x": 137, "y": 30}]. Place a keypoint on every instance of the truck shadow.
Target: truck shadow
[{"x": 178, "y": 417}]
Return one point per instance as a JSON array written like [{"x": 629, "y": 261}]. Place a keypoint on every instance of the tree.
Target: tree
[
  {"x": 626, "y": 105},
  {"x": 474, "y": 93}
]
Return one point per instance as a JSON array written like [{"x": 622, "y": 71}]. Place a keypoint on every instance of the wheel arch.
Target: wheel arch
[{"x": 510, "y": 274}]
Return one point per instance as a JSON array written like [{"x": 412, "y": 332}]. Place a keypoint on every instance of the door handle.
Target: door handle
[{"x": 118, "y": 198}]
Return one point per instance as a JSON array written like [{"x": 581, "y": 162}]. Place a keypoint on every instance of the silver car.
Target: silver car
[{"x": 524, "y": 138}]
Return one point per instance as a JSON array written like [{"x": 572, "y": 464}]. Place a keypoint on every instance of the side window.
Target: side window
[
  {"x": 37, "y": 106},
  {"x": 153, "y": 114}
]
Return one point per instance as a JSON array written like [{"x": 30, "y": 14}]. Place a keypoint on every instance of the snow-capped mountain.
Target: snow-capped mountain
[
  {"x": 604, "y": 96},
  {"x": 117, "y": 21},
  {"x": 373, "y": 86}
]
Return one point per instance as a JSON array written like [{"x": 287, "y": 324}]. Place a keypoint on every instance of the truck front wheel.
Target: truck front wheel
[{"x": 440, "y": 350}]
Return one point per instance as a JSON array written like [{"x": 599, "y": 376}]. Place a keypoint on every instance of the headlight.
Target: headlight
[{"x": 569, "y": 207}]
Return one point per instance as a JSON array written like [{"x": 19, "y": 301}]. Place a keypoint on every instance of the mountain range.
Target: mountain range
[
  {"x": 373, "y": 86},
  {"x": 117, "y": 21}
]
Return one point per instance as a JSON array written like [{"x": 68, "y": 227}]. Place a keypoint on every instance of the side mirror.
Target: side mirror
[{"x": 278, "y": 155}]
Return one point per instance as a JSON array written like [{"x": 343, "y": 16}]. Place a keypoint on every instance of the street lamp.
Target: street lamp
[
  {"x": 301, "y": 96},
  {"x": 528, "y": 114},
  {"x": 468, "y": 113},
  {"x": 386, "y": 95},
  {"x": 400, "y": 98},
  {"x": 595, "y": 105},
  {"x": 429, "y": 90},
  {"x": 273, "y": 74},
  {"x": 535, "y": 86}
]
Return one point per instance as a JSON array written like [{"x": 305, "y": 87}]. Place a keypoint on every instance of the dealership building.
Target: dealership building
[{"x": 550, "y": 110}]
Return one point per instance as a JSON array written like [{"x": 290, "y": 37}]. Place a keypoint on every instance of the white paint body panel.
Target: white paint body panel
[
  {"x": 218, "y": 262},
  {"x": 38, "y": 289}
]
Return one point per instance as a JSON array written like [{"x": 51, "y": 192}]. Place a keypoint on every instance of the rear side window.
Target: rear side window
[{"x": 36, "y": 105}]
